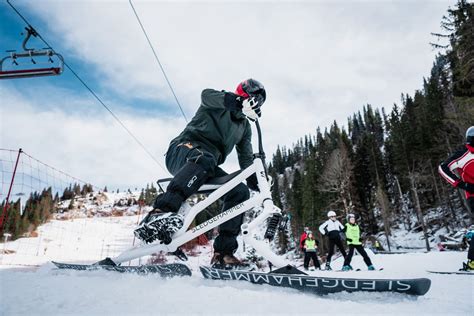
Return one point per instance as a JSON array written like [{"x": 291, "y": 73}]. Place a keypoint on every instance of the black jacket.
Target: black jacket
[{"x": 218, "y": 126}]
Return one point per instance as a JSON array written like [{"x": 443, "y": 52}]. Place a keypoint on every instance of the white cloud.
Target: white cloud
[
  {"x": 319, "y": 61},
  {"x": 290, "y": 47},
  {"x": 87, "y": 144}
]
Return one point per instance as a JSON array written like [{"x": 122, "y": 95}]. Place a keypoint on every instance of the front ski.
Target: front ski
[
  {"x": 453, "y": 272},
  {"x": 164, "y": 270},
  {"x": 322, "y": 285}
]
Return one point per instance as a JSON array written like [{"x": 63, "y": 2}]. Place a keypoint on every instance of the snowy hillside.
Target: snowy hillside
[
  {"x": 99, "y": 204},
  {"x": 100, "y": 224},
  {"x": 87, "y": 229}
]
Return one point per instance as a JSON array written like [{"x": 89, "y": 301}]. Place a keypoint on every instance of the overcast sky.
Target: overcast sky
[{"x": 320, "y": 61}]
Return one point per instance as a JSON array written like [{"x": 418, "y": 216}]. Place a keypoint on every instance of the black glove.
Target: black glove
[
  {"x": 348, "y": 239},
  {"x": 466, "y": 186},
  {"x": 252, "y": 182}
]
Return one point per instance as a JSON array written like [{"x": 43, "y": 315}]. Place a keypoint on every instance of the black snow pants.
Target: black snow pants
[
  {"x": 470, "y": 252},
  {"x": 191, "y": 165},
  {"x": 335, "y": 242},
  {"x": 360, "y": 249},
  {"x": 311, "y": 255}
]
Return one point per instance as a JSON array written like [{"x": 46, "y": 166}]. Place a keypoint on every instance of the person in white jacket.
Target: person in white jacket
[{"x": 332, "y": 229}]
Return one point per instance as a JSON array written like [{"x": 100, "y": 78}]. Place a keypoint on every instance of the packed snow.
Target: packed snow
[
  {"x": 31, "y": 285},
  {"x": 47, "y": 291}
]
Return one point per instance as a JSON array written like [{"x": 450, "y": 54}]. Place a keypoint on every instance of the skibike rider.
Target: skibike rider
[
  {"x": 462, "y": 162},
  {"x": 332, "y": 228},
  {"x": 220, "y": 124},
  {"x": 310, "y": 251},
  {"x": 353, "y": 233}
]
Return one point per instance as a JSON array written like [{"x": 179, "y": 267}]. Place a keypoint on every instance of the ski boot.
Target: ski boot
[
  {"x": 159, "y": 226},
  {"x": 346, "y": 268},
  {"x": 179, "y": 253},
  {"x": 105, "y": 262},
  {"x": 229, "y": 262},
  {"x": 469, "y": 266},
  {"x": 328, "y": 266},
  {"x": 371, "y": 267}
]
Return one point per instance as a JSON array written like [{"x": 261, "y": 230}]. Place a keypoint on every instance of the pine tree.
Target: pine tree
[
  {"x": 297, "y": 194},
  {"x": 460, "y": 25},
  {"x": 276, "y": 196}
]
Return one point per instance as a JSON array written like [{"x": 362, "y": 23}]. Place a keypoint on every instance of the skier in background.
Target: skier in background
[
  {"x": 332, "y": 228},
  {"x": 353, "y": 233},
  {"x": 378, "y": 247},
  {"x": 469, "y": 237},
  {"x": 462, "y": 162},
  {"x": 310, "y": 246},
  {"x": 303, "y": 237},
  {"x": 220, "y": 124}
]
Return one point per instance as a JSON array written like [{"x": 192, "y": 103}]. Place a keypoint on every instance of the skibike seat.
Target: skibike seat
[{"x": 211, "y": 184}]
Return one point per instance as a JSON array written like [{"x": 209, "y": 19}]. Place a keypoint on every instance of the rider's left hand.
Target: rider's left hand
[{"x": 251, "y": 108}]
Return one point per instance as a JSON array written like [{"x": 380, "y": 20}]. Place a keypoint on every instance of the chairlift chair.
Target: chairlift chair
[{"x": 31, "y": 53}]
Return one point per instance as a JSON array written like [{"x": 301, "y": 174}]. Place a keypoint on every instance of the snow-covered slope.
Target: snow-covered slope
[
  {"x": 88, "y": 229},
  {"x": 52, "y": 292},
  {"x": 79, "y": 239},
  {"x": 38, "y": 288}
]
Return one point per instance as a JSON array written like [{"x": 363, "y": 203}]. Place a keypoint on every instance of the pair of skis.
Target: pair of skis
[
  {"x": 358, "y": 270},
  {"x": 460, "y": 272},
  {"x": 288, "y": 277}
]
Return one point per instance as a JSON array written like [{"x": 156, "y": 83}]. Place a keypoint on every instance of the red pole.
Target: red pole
[{"x": 5, "y": 208}]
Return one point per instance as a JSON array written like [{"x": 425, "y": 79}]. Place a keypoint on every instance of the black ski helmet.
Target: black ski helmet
[
  {"x": 470, "y": 136},
  {"x": 252, "y": 88}
]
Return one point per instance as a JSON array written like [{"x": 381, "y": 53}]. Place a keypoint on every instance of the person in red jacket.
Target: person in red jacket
[
  {"x": 462, "y": 163},
  {"x": 303, "y": 237}
]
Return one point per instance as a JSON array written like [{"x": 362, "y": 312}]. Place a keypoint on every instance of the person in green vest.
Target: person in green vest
[
  {"x": 352, "y": 231},
  {"x": 310, "y": 247},
  {"x": 377, "y": 245}
]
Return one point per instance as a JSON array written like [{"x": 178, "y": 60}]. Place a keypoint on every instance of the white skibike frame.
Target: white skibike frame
[{"x": 260, "y": 199}]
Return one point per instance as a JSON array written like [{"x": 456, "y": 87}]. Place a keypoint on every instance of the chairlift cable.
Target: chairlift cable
[
  {"x": 158, "y": 60},
  {"x": 91, "y": 91}
]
